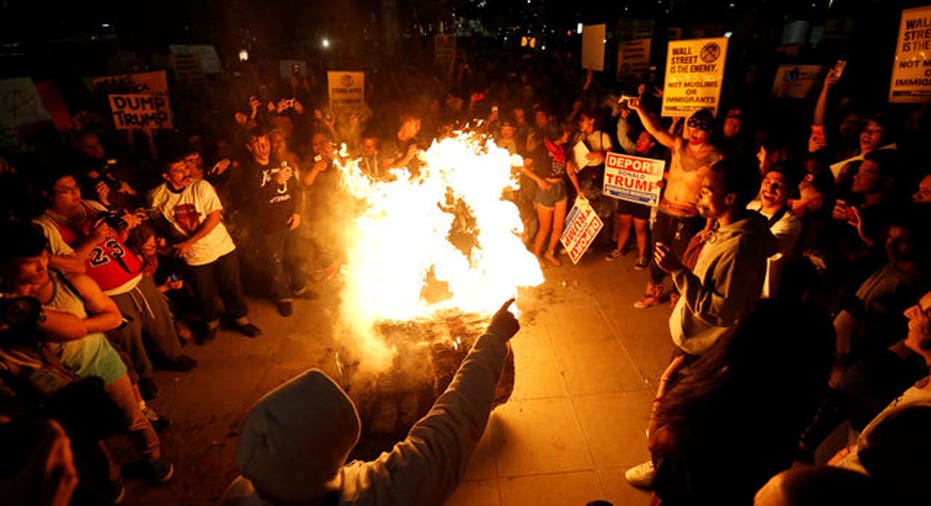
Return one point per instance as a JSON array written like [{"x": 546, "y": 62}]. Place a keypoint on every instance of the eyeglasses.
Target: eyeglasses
[{"x": 69, "y": 189}]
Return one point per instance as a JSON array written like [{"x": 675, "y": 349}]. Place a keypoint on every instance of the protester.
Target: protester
[
  {"x": 195, "y": 214},
  {"x": 772, "y": 203},
  {"x": 76, "y": 313},
  {"x": 294, "y": 443},
  {"x": 677, "y": 218}
]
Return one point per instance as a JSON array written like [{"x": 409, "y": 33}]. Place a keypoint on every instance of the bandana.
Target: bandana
[{"x": 702, "y": 120}]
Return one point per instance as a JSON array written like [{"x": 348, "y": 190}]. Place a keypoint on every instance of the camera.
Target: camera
[{"x": 114, "y": 219}]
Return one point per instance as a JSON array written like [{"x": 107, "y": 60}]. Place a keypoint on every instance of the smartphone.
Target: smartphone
[
  {"x": 175, "y": 277},
  {"x": 839, "y": 68}
]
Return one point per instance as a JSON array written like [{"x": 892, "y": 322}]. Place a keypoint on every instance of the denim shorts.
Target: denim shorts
[{"x": 549, "y": 198}]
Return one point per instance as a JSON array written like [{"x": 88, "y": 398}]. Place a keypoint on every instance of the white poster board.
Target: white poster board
[
  {"x": 593, "y": 47},
  {"x": 694, "y": 75},
  {"x": 582, "y": 226},
  {"x": 633, "y": 178},
  {"x": 911, "y": 70}
]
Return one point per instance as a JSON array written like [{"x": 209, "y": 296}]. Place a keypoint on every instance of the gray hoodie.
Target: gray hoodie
[{"x": 727, "y": 280}]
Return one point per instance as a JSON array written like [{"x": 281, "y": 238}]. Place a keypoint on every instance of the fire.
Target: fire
[{"x": 401, "y": 239}]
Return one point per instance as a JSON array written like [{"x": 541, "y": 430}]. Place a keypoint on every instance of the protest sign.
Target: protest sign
[
  {"x": 286, "y": 68},
  {"x": 187, "y": 70},
  {"x": 633, "y": 178},
  {"x": 153, "y": 83},
  {"x": 23, "y": 116},
  {"x": 582, "y": 226},
  {"x": 444, "y": 48},
  {"x": 20, "y": 103},
  {"x": 207, "y": 54},
  {"x": 796, "y": 81},
  {"x": 694, "y": 75},
  {"x": 140, "y": 112},
  {"x": 631, "y": 29},
  {"x": 633, "y": 57},
  {"x": 347, "y": 91},
  {"x": 593, "y": 47},
  {"x": 911, "y": 70}
]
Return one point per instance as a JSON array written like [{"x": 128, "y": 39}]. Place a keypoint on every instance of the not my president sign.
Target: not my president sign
[
  {"x": 694, "y": 74},
  {"x": 140, "y": 112}
]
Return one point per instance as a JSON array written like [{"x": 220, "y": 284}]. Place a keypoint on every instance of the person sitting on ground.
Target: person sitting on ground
[
  {"x": 76, "y": 313},
  {"x": 295, "y": 441},
  {"x": 195, "y": 214},
  {"x": 894, "y": 447},
  {"x": 727, "y": 422}
]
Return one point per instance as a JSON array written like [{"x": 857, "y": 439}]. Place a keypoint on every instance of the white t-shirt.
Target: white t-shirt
[{"x": 186, "y": 210}]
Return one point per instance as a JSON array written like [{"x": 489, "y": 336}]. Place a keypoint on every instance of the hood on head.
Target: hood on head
[{"x": 297, "y": 437}]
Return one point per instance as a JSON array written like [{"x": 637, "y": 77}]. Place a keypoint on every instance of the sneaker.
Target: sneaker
[
  {"x": 181, "y": 363},
  {"x": 159, "y": 422},
  {"x": 159, "y": 471},
  {"x": 641, "y": 476},
  {"x": 614, "y": 255},
  {"x": 642, "y": 263},
  {"x": 247, "y": 329},
  {"x": 653, "y": 297},
  {"x": 284, "y": 308},
  {"x": 148, "y": 389}
]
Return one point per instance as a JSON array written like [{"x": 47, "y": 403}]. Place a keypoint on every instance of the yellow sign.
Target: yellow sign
[
  {"x": 911, "y": 70},
  {"x": 347, "y": 91},
  {"x": 694, "y": 75}
]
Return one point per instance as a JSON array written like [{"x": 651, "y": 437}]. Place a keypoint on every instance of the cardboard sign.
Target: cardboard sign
[
  {"x": 207, "y": 54},
  {"x": 631, "y": 29},
  {"x": 582, "y": 226},
  {"x": 444, "y": 48},
  {"x": 347, "y": 91},
  {"x": 188, "y": 71},
  {"x": 694, "y": 75},
  {"x": 633, "y": 178},
  {"x": 796, "y": 81},
  {"x": 911, "y": 70},
  {"x": 140, "y": 112},
  {"x": 286, "y": 68},
  {"x": 633, "y": 57},
  {"x": 153, "y": 83},
  {"x": 20, "y": 103},
  {"x": 593, "y": 47}
]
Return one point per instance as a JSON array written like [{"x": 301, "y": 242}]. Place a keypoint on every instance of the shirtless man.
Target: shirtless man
[{"x": 678, "y": 220}]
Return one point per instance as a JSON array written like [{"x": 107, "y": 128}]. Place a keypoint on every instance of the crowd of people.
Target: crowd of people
[{"x": 773, "y": 224}]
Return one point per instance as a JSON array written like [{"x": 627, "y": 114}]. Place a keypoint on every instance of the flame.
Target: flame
[{"x": 401, "y": 237}]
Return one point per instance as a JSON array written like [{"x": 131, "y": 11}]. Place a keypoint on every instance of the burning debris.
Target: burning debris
[{"x": 428, "y": 261}]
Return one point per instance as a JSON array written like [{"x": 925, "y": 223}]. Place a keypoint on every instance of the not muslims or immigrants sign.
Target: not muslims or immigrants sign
[
  {"x": 582, "y": 226},
  {"x": 694, "y": 75},
  {"x": 911, "y": 70},
  {"x": 633, "y": 178}
]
